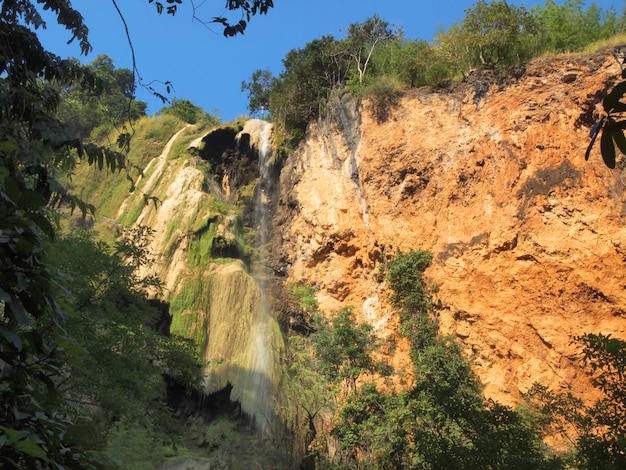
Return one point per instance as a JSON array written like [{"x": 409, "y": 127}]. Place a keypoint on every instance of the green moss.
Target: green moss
[
  {"x": 245, "y": 194},
  {"x": 187, "y": 321},
  {"x": 200, "y": 246}
]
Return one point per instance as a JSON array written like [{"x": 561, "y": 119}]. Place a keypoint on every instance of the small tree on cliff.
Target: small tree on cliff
[
  {"x": 259, "y": 91},
  {"x": 490, "y": 34},
  {"x": 362, "y": 40},
  {"x": 345, "y": 348}
]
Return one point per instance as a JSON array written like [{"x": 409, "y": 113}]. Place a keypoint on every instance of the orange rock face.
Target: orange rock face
[{"x": 528, "y": 239}]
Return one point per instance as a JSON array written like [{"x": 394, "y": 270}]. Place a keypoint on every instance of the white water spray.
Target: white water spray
[
  {"x": 262, "y": 343},
  {"x": 244, "y": 340}
]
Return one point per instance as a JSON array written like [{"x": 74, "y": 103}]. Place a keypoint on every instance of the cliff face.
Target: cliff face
[
  {"x": 199, "y": 254},
  {"x": 528, "y": 239}
]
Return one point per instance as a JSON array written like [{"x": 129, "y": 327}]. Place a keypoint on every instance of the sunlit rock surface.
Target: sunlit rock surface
[
  {"x": 212, "y": 296},
  {"x": 528, "y": 239}
]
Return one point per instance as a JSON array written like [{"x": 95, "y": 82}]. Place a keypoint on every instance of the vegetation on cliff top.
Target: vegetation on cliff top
[{"x": 377, "y": 62}]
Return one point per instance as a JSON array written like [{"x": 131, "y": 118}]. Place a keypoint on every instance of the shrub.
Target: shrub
[{"x": 383, "y": 95}]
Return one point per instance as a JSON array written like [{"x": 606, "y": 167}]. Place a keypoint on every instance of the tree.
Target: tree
[
  {"x": 414, "y": 63},
  {"x": 345, "y": 348},
  {"x": 114, "y": 357},
  {"x": 259, "y": 90},
  {"x": 309, "y": 76},
  {"x": 455, "y": 45},
  {"x": 362, "y": 40},
  {"x": 111, "y": 104},
  {"x": 566, "y": 26},
  {"x": 35, "y": 146},
  {"x": 186, "y": 111},
  {"x": 445, "y": 421},
  {"x": 495, "y": 30}
]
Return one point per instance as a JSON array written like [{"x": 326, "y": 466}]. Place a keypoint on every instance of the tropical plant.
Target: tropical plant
[{"x": 611, "y": 126}]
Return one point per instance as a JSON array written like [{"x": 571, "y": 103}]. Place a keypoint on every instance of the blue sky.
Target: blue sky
[{"x": 207, "y": 68}]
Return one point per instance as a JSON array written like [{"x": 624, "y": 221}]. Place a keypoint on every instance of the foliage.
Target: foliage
[
  {"x": 598, "y": 431},
  {"x": 134, "y": 448},
  {"x": 116, "y": 359},
  {"x": 362, "y": 39},
  {"x": 345, "y": 348},
  {"x": 247, "y": 8},
  {"x": 188, "y": 112},
  {"x": 309, "y": 397},
  {"x": 259, "y": 90},
  {"x": 309, "y": 76},
  {"x": 495, "y": 29},
  {"x": 567, "y": 27},
  {"x": 442, "y": 421},
  {"x": 40, "y": 341},
  {"x": 34, "y": 145},
  {"x": 306, "y": 296},
  {"x": 611, "y": 126},
  {"x": 383, "y": 96},
  {"x": 411, "y": 63},
  {"x": 111, "y": 104},
  {"x": 492, "y": 33}
]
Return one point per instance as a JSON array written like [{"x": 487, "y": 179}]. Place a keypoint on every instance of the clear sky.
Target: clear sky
[{"x": 207, "y": 68}]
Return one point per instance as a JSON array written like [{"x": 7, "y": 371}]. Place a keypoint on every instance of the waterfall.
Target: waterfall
[
  {"x": 243, "y": 340},
  {"x": 260, "y": 383},
  {"x": 261, "y": 344}
]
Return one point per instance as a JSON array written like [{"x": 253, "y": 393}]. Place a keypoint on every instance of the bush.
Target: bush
[{"x": 383, "y": 95}]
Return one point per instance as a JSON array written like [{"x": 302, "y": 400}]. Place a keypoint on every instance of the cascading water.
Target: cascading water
[
  {"x": 261, "y": 344},
  {"x": 243, "y": 339},
  {"x": 261, "y": 347}
]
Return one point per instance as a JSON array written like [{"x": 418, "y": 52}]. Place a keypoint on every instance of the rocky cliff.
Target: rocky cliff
[{"x": 528, "y": 239}]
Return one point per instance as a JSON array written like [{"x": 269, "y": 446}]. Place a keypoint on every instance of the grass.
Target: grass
[{"x": 617, "y": 40}]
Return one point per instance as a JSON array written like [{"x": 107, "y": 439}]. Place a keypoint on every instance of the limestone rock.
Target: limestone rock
[{"x": 527, "y": 237}]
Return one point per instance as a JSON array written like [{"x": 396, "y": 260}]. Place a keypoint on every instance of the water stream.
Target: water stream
[
  {"x": 262, "y": 344},
  {"x": 243, "y": 339}
]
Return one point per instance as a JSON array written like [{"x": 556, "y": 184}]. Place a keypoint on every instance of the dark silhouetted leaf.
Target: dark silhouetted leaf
[
  {"x": 611, "y": 100},
  {"x": 619, "y": 138},
  {"x": 607, "y": 148}
]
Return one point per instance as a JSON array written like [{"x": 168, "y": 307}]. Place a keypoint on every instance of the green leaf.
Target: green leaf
[
  {"x": 18, "y": 311},
  {"x": 44, "y": 224},
  {"x": 32, "y": 449},
  {"x": 31, "y": 200},
  {"x": 8, "y": 146},
  {"x": 607, "y": 148},
  {"x": 11, "y": 336}
]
